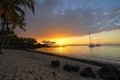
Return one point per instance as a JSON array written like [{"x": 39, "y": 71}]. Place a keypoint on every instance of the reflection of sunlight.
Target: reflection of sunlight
[{"x": 60, "y": 49}]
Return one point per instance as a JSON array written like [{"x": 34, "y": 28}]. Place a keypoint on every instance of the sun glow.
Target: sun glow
[{"x": 61, "y": 43}]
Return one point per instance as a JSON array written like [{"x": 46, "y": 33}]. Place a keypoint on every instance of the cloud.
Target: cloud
[{"x": 54, "y": 19}]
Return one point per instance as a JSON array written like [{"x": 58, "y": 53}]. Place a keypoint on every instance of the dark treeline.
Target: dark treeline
[{"x": 14, "y": 41}]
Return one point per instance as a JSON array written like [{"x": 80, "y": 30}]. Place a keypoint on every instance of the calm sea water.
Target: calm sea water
[{"x": 104, "y": 52}]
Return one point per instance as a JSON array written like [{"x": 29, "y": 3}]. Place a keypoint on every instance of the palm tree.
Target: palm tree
[{"x": 13, "y": 15}]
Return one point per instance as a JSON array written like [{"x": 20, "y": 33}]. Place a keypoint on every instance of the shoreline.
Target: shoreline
[
  {"x": 100, "y": 63},
  {"x": 29, "y": 64}
]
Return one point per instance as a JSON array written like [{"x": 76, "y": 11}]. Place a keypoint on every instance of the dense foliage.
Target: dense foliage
[{"x": 12, "y": 15}]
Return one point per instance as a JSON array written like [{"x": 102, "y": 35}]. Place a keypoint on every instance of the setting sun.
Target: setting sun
[{"x": 61, "y": 43}]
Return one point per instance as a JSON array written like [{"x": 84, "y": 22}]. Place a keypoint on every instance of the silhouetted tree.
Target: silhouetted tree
[
  {"x": 48, "y": 43},
  {"x": 12, "y": 15}
]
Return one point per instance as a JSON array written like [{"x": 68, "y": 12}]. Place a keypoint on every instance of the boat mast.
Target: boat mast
[{"x": 89, "y": 38}]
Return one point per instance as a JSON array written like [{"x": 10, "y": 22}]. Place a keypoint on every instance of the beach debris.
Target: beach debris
[
  {"x": 69, "y": 67},
  {"x": 55, "y": 63},
  {"x": 1, "y": 53},
  {"x": 109, "y": 72},
  {"x": 54, "y": 73},
  {"x": 30, "y": 71},
  {"x": 87, "y": 72},
  {"x": 36, "y": 79}
]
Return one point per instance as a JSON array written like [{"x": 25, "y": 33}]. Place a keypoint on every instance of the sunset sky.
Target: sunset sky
[{"x": 71, "y": 21}]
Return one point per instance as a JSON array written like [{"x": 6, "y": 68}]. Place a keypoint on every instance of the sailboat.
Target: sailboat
[
  {"x": 91, "y": 42},
  {"x": 97, "y": 43}
]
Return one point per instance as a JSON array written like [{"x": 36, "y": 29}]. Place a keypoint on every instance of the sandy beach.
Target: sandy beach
[{"x": 25, "y": 65}]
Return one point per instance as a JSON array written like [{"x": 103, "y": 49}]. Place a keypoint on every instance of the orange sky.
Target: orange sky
[{"x": 106, "y": 37}]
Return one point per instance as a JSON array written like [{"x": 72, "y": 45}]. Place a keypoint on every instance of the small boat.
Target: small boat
[
  {"x": 97, "y": 43},
  {"x": 91, "y": 45}
]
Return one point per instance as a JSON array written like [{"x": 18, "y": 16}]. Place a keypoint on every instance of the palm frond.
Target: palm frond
[{"x": 19, "y": 11}]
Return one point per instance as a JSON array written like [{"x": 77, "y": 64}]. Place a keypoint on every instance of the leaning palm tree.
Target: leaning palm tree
[{"x": 12, "y": 15}]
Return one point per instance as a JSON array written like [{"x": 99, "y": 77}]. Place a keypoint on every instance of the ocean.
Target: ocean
[{"x": 110, "y": 53}]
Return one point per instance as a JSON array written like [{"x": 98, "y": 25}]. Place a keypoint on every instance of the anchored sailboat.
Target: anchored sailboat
[
  {"x": 97, "y": 43},
  {"x": 91, "y": 42}
]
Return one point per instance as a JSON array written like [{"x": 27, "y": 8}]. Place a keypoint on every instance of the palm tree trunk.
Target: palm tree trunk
[
  {"x": 1, "y": 37},
  {"x": 4, "y": 35},
  {"x": 1, "y": 50}
]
